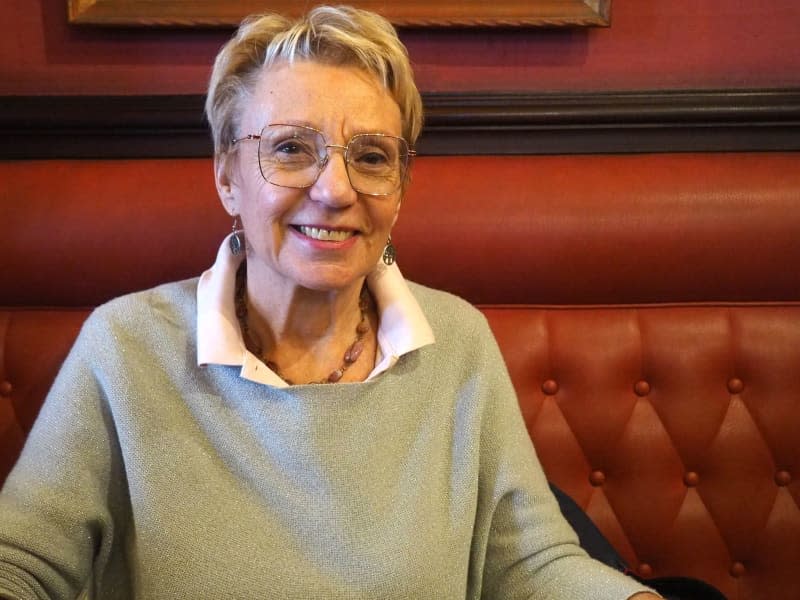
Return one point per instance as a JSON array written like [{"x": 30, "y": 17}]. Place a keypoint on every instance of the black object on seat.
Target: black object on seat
[{"x": 599, "y": 548}]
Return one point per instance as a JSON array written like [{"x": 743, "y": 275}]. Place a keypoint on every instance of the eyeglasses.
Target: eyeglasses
[{"x": 293, "y": 156}]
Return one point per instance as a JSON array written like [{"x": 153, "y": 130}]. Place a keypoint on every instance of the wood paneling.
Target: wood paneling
[{"x": 465, "y": 123}]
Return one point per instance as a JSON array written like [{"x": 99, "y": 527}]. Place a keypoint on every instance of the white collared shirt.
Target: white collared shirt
[{"x": 402, "y": 325}]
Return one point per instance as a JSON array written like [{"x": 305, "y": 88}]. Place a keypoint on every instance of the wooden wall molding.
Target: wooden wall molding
[
  {"x": 442, "y": 13},
  {"x": 456, "y": 123}
]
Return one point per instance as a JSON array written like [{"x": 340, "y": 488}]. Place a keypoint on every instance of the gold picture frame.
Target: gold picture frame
[{"x": 406, "y": 13}]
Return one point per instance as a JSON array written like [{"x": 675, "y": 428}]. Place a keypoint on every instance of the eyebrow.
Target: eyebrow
[{"x": 359, "y": 131}]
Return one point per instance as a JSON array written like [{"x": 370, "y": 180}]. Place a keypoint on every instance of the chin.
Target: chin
[{"x": 324, "y": 280}]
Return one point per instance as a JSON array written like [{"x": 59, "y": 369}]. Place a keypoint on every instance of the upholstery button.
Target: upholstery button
[
  {"x": 6, "y": 388},
  {"x": 783, "y": 478},
  {"x": 735, "y": 385},
  {"x": 691, "y": 479},
  {"x": 550, "y": 387},
  {"x": 737, "y": 569},
  {"x": 645, "y": 570},
  {"x": 642, "y": 388},
  {"x": 597, "y": 478}
]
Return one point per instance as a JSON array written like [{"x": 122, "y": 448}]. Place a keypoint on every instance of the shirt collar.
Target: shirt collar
[{"x": 402, "y": 327}]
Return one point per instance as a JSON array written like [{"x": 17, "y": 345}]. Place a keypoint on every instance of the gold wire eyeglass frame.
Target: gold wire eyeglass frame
[{"x": 408, "y": 155}]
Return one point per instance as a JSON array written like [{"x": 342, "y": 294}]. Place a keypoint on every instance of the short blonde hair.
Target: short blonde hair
[{"x": 335, "y": 35}]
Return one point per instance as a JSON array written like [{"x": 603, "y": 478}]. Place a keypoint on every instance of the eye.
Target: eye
[
  {"x": 372, "y": 158},
  {"x": 374, "y": 153},
  {"x": 289, "y": 151},
  {"x": 288, "y": 147}
]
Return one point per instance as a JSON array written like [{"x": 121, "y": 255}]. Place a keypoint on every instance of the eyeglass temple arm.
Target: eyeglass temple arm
[{"x": 249, "y": 136}]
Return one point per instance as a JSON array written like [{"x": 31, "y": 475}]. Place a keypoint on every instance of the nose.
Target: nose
[{"x": 333, "y": 184}]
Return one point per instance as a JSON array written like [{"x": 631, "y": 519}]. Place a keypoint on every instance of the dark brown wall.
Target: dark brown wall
[{"x": 652, "y": 44}]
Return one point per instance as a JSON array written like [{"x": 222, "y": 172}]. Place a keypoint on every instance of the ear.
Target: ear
[
  {"x": 224, "y": 184},
  {"x": 397, "y": 210}
]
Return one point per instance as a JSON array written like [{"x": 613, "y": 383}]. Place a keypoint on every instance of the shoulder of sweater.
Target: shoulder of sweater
[
  {"x": 433, "y": 298},
  {"x": 174, "y": 301},
  {"x": 446, "y": 310}
]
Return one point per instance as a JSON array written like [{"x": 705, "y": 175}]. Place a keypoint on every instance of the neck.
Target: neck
[{"x": 306, "y": 335}]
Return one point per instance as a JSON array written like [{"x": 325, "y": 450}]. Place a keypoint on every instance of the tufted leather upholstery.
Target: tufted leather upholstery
[
  {"x": 676, "y": 427},
  {"x": 648, "y": 308}
]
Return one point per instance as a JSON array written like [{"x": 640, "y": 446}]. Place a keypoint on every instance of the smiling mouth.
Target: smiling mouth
[{"x": 325, "y": 235}]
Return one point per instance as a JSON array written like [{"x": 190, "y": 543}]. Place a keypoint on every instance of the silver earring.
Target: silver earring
[
  {"x": 389, "y": 252},
  {"x": 236, "y": 240}
]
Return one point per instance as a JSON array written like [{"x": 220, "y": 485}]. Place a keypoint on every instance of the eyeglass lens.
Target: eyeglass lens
[{"x": 294, "y": 156}]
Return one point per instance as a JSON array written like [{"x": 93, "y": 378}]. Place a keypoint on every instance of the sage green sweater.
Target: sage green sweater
[{"x": 148, "y": 477}]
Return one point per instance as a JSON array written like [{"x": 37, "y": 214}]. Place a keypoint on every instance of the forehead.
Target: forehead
[{"x": 338, "y": 100}]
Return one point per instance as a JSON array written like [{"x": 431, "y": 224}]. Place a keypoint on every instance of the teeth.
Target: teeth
[{"x": 325, "y": 234}]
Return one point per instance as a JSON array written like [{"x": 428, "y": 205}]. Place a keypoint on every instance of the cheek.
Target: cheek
[{"x": 267, "y": 210}]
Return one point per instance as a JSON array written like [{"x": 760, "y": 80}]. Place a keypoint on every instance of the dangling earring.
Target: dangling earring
[
  {"x": 236, "y": 240},
  {"x": 389, "y": 252}
]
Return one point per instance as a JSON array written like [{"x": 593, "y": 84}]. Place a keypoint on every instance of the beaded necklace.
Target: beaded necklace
[{"x": 253, "y": 342}]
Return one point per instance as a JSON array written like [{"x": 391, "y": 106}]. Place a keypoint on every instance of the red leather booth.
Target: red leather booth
[{"x": 648, "y": 307}]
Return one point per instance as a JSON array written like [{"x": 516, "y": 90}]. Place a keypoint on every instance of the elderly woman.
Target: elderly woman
[{"x": 300, "y": 422}]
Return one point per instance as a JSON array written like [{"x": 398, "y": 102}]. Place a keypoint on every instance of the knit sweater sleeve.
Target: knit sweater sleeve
[
  {"x": 56, "y": 522},
  {"x": 526, "y": 547}
]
